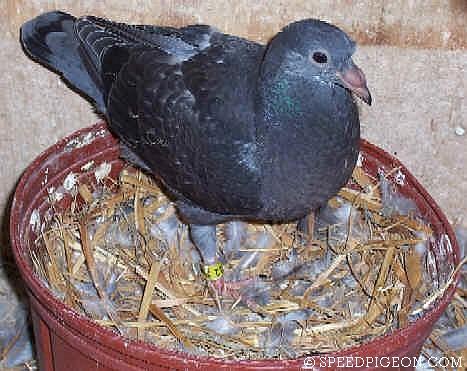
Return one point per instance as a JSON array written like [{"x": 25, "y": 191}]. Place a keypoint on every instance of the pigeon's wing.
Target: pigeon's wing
[
  {"x": 181, "y": 100},
  {"x": 193, "y": 121},
  {"x": 105, "y": 46}
]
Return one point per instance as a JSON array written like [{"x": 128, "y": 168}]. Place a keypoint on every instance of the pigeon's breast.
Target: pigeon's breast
[{"x": 308, "y": 157}]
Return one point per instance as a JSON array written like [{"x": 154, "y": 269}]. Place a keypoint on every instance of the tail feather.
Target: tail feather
[{"x": 51, "y": 40}]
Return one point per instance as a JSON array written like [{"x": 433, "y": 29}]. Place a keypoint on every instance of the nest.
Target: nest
[{"x": 119, "y": 254}]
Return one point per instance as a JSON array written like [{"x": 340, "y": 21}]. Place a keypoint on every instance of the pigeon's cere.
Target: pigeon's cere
[{"x": 233, "y": 129}]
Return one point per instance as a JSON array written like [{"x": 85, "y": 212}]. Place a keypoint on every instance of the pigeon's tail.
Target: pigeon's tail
[{"x": 52, "y": 40}]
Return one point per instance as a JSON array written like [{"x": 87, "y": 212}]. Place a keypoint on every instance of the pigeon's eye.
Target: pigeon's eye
[{"x": 320, "y": 57}]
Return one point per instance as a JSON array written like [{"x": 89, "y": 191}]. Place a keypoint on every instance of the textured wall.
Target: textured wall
[{"x": 414, "y": 54}]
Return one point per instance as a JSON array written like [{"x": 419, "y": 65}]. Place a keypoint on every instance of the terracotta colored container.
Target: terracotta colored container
[{"x": 68, "y": 341}]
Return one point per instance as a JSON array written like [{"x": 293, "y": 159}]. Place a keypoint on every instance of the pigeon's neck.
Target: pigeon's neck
[
  {"x": 281, "y": 100},
  {"x": 302, "y": 105},
  {"x": 290, "y": 94}
]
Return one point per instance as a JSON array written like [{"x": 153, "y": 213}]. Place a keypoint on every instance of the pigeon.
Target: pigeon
[{"x": 233, "y": 130}]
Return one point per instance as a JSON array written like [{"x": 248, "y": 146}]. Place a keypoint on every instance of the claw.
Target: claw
[
  {"x": 222, "y": 289},
  {"x": 229, "y": 289}
]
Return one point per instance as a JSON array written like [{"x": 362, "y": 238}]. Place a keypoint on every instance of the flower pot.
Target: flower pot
[{"x": 67, "y": 340}]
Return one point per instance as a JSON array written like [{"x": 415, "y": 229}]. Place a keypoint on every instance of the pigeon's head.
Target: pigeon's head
[{"x": 319, "y": 51}]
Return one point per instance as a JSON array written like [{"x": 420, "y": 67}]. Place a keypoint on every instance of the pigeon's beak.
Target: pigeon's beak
[{"x": 353, "y": 79}]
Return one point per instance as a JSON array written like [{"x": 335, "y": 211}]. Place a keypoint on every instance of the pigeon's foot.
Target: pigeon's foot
[
  {"x": 230, "y": 289},
  {"x": 222, "y": 289}
]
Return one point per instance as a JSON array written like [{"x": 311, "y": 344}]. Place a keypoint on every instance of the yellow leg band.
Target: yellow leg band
[{"x": 213, "y": 272}]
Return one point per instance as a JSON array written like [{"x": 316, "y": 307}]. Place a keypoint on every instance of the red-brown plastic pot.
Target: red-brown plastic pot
[{"x": 66, "y": 340}]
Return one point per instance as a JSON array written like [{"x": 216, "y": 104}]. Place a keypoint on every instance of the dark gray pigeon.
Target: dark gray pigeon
[{"x": 232, "y": 128}]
